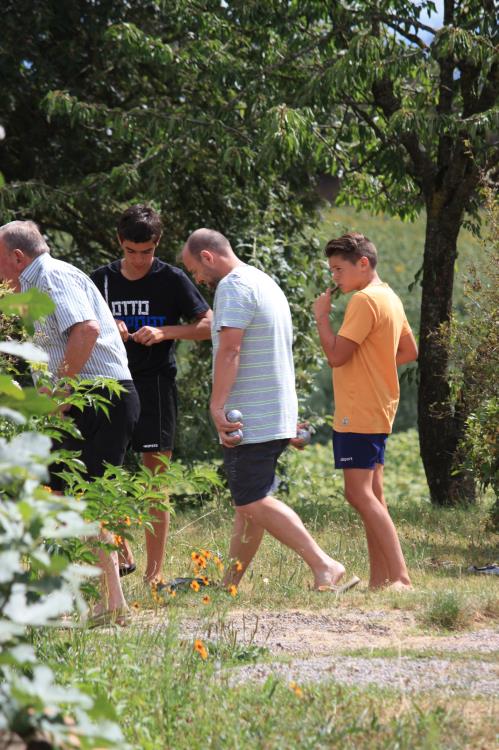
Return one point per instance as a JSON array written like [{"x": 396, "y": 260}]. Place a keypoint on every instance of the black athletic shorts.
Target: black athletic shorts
[
  {"x": 105, "y": 439},
  {"x": 250, "y": 470},
  {"x": 155, "y": 430}
]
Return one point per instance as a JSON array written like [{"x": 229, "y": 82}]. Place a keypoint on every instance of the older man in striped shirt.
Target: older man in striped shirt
[
  {"x": 253, "y": 372},
  {"x": 81, "y": 340}
]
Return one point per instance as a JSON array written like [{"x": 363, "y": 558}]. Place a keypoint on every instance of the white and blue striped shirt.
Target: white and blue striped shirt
[
  {"x": 76, "y": 300},
  {"x": 264, "y": 390}
]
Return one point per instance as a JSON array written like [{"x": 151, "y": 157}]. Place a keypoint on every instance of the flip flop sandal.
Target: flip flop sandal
[
  {"x": 127, "y": 568},
  {"x": 340, "y": 588}
]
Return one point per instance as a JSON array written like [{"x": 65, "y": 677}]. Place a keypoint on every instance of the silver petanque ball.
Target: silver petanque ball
[
  {"x": 236, "y": 433},
  {"x": 304, "y": 435},
  {"x": 234, "y": 415}
]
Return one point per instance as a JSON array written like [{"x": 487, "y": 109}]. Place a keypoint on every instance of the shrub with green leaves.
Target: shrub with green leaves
[
  {"x": 37, "y": 589},
  {"x": 474, "y": 350},
  {"x": 45, "y": 539}
]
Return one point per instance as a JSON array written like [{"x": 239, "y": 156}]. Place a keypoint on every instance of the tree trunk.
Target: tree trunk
[{"x": 440, "y": 423}]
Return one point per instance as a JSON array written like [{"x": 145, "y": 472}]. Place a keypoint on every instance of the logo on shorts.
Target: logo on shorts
[
  {"x": 350, "y": 458},
  {"x": 151, "y": 445},
  {"x": 345, "y": 420}
]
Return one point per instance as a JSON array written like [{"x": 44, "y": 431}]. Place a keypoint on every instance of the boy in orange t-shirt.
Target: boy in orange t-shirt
[{"x": 374, "y": 339}]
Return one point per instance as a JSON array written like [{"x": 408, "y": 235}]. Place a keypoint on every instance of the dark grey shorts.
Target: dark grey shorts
[
  {"x": 155, "y": 430},
  {"x": 251, "y": 469}
]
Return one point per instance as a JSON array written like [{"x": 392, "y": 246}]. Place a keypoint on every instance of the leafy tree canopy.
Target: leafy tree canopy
[{"x": 222, "y": 113}]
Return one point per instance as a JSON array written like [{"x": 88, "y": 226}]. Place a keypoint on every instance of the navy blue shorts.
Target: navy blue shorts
[
  {"x": 250, "y": 470},
  {"x": 355, "y": 450}
]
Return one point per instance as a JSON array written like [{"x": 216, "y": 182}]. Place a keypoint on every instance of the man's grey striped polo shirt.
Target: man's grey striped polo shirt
[
  {"x": 76, "y": 299},
  {"x": 264, "y": 390}
]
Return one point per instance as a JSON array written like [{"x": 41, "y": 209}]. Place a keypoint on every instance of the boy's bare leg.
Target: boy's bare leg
[
  {"x": 156, "y": 539},
  {"x": 382, "y": 533},
  {"x": 287, "y": 527},
  {"x": 379, "y": 573},
  {"x": 244, "y": 543}
]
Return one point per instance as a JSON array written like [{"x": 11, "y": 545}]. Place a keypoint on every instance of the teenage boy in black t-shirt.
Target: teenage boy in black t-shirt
[{"x": 148, "y": 298}]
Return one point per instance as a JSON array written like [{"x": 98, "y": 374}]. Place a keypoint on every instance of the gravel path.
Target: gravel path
[
  {"x": 319, "y": 644},
  {"x": 475, "y": 678}
]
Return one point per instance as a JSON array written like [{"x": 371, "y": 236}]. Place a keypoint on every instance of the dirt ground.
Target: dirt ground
[
  {"x": 305, "y": 633},
  {"x": 307, "y": 647}
]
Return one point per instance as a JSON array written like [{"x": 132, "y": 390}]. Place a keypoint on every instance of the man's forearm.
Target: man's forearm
[
  {"x": 81, "y": 341},
  {"x": 224, "y": 377},
  {"x": 198, "y": 331}
]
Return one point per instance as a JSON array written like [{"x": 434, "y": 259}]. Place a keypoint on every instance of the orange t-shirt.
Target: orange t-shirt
[{"x": 366, "y": 388}]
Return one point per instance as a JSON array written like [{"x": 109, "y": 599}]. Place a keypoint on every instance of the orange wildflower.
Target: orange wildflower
[
  {"x": 218, "y": 563},
  {"x": 206, "y": 553},
  {"x": 127, "y": 521},
  {"x": 232, "y": 590},
  {"x": 238, "y": 565},
  {"x": 206, "y": 599},
  {"x": 195, "y": 586},
  {"x": 205, "y": 580},
  {"x": 135, "y": 605},
  {"x": 296, "y": 689},
  {"x": 201, "y": 649},
  {"x": 172, "y": 593}
]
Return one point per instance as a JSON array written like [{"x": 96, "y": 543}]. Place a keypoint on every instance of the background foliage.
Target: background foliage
[{"x": 224, "y": 114}]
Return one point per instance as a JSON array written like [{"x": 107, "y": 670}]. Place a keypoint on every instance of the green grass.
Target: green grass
[
  {"x": 439, "y": 543},
  {"x": 166, "y": 696}
]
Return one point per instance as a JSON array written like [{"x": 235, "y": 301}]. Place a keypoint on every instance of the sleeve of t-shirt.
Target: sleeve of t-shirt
[
  {"x": 236, "y": 305},
  {"x": 359, "y": 319},
  {"x": 406, "y": 328},
  {"x": 190, "y": 300},
  {"x": 71, "y": 301}
]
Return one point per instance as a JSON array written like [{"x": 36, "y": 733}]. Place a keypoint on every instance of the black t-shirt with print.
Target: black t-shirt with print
[{"x": 161, "y": 298}]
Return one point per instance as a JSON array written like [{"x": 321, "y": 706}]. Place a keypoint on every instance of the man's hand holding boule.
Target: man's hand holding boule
[{"x": 223, "y": 426}]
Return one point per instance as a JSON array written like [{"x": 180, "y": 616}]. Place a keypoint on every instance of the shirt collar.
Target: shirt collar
[{"x": 28, "y": 276}]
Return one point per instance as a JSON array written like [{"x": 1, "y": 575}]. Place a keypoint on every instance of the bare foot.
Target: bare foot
[
  {"x": 399, "y": 586},
  {"x": 377, "y": 585},
  {"x": 330, "y": 575}
]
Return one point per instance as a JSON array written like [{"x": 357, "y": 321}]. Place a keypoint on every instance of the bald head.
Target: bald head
[
  {"x": 25, "y": 236},
  {"x": 208, "y": 256},
  {"x": 208, "y": 239}
]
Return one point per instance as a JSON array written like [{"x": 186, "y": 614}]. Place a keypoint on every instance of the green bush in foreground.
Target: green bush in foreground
[{"x": 36, "y": 588}]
